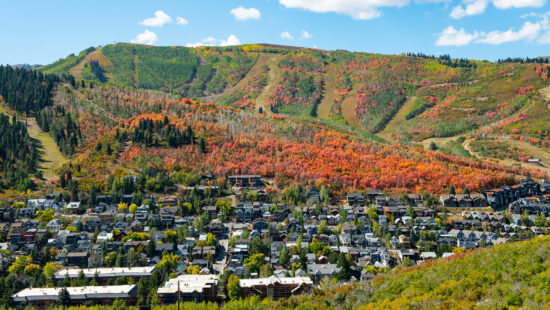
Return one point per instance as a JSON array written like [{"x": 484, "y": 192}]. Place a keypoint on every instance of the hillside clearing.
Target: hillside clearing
[
  {"x": 52, "y": 158},
  {"x": 545, "y": 92},
  {"x": 329, "y": 86},
  {"x": 274, "y": 77},
  {"x": 261, "y": 60},
  {"x": 348, "y": 109},
  {"x": 98, "y": 56},
  {"x": 399, "y": 118}
]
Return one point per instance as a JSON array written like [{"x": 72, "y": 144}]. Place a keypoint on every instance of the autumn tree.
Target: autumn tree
[{"x": 233, "y": 287}]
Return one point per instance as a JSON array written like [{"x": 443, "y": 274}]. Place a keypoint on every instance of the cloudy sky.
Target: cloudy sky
[{"x": 39, "y": 32}]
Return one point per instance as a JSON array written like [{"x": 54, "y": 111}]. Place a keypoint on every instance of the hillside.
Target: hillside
[
  {"x": 509, "y": 276},
  {"x": 365, "y": 92},
  {"x": 324, "y": 117}
]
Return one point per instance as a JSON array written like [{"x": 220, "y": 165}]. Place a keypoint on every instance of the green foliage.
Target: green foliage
[
  {"x": 63, "y": 298},
  {"x": 62, "y": 66},
  {"x": 61, "y": 126},
  {"x": 455, "y": 148},
  {"x": 233, "y": 287},
  {"x": 254, "y": 262},
  {"x": 93, "y": 71},
  {"x": 151, "y": 67},
  {"x": 18, "y": 155},
  {"x": 19, "y": 265},
  {"x": 419, "y": 106},
  {"x": 157, "y": 133},
  {"x": 24, "y": 90}
]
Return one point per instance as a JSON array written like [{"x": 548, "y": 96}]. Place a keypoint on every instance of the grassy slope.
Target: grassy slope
[
  {"x": 348, "y": 109},
  {"x": 103, "y": 61},
  {"x": 393, "y": 125},
  {"x": 262, "y": 60},
  {"x": 329, "y": 87},
  {"x": 274, "y": 77},
  {"x": 52, "y": 158},
  {"x": 507, "y": 276}
]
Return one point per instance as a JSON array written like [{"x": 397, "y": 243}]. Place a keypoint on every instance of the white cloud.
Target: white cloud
[
  {"x": 159, "y": 20},
  {"x": 507, "y": 4},
  {"x": 181, "y": 21},
  {"x": 357, "y": 9},
  {"x": 306, "y": 35},
  {"x": 242, "y": 13},
  {"x": 231, "y": 40},
  {"x": 529, "y": 31},
  {"x": 452, "y": 37},
  {"x": 472, "y": 7},
  {"x": 147, "y": 37},
  {"x": 544, "y": 38},
  {"x": 476, "y": 7},
  {"x": 210, "y": 41},
  {"x": 286, "y": 35}
]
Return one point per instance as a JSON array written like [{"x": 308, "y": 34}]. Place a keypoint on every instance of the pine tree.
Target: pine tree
[
  {"x": 202, "y": 146},
  {"x": 63, "y": 298},
  {"x": 452, "y": 190}
]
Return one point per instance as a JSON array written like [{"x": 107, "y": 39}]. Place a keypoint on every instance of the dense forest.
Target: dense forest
[
  {"x": 26, "y": 91},
  {"x": 18, "y": 154},
  {"x": 61, "y": 127},
  {"x": 155, "y": 133}
]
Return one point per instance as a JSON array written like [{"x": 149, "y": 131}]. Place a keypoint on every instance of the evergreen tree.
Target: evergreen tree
[
  {"x": 452, "y": 190},
  {"x": 63, "y": 298}
]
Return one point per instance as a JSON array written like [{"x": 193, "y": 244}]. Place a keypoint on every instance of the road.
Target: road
[{"x": 221, "y": 257}]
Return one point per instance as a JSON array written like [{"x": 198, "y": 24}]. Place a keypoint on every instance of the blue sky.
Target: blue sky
[{"x": 40, "y": 32}]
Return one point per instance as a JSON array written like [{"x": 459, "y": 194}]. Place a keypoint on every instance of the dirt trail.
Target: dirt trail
[
  {"x": 273, "y": 79},
  {"x": 329, "y": 86},
  {"x": 397, "y": 120}
]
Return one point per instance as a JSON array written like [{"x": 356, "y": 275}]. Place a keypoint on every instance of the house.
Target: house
[
  {"x": 356, "y": 199},
  {"x": 43, "y": 298},
  {"x": 275, "y": 287},
  {"x": 79, "y": 259},
  {"x": 167, "y": 217},
  {"x": 320, "y": 271},
  {"x": 106, "y": 274},
  {"x": 427, "y": 255},
  {"x": 415, "y": 199},
  {"x": 448, "y": 201},
  {"x": 246, "y": 181},
  {"x": 141, "y": 213},
  {"x": 196, "y": 288},
  {"x": 425, "y": 221},
  {"x": 54, "y": 225},
  {"x": 211, "y": 210},
  {"x": 73, "y": 207}
]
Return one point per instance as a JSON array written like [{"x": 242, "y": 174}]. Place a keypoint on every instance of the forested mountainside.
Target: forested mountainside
[
  {"x": 426, "y": 97},
  {"x": 322, "y": 115}
]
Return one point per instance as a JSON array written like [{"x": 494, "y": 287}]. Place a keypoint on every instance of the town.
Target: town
[{"x": 235, "y": 239}]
